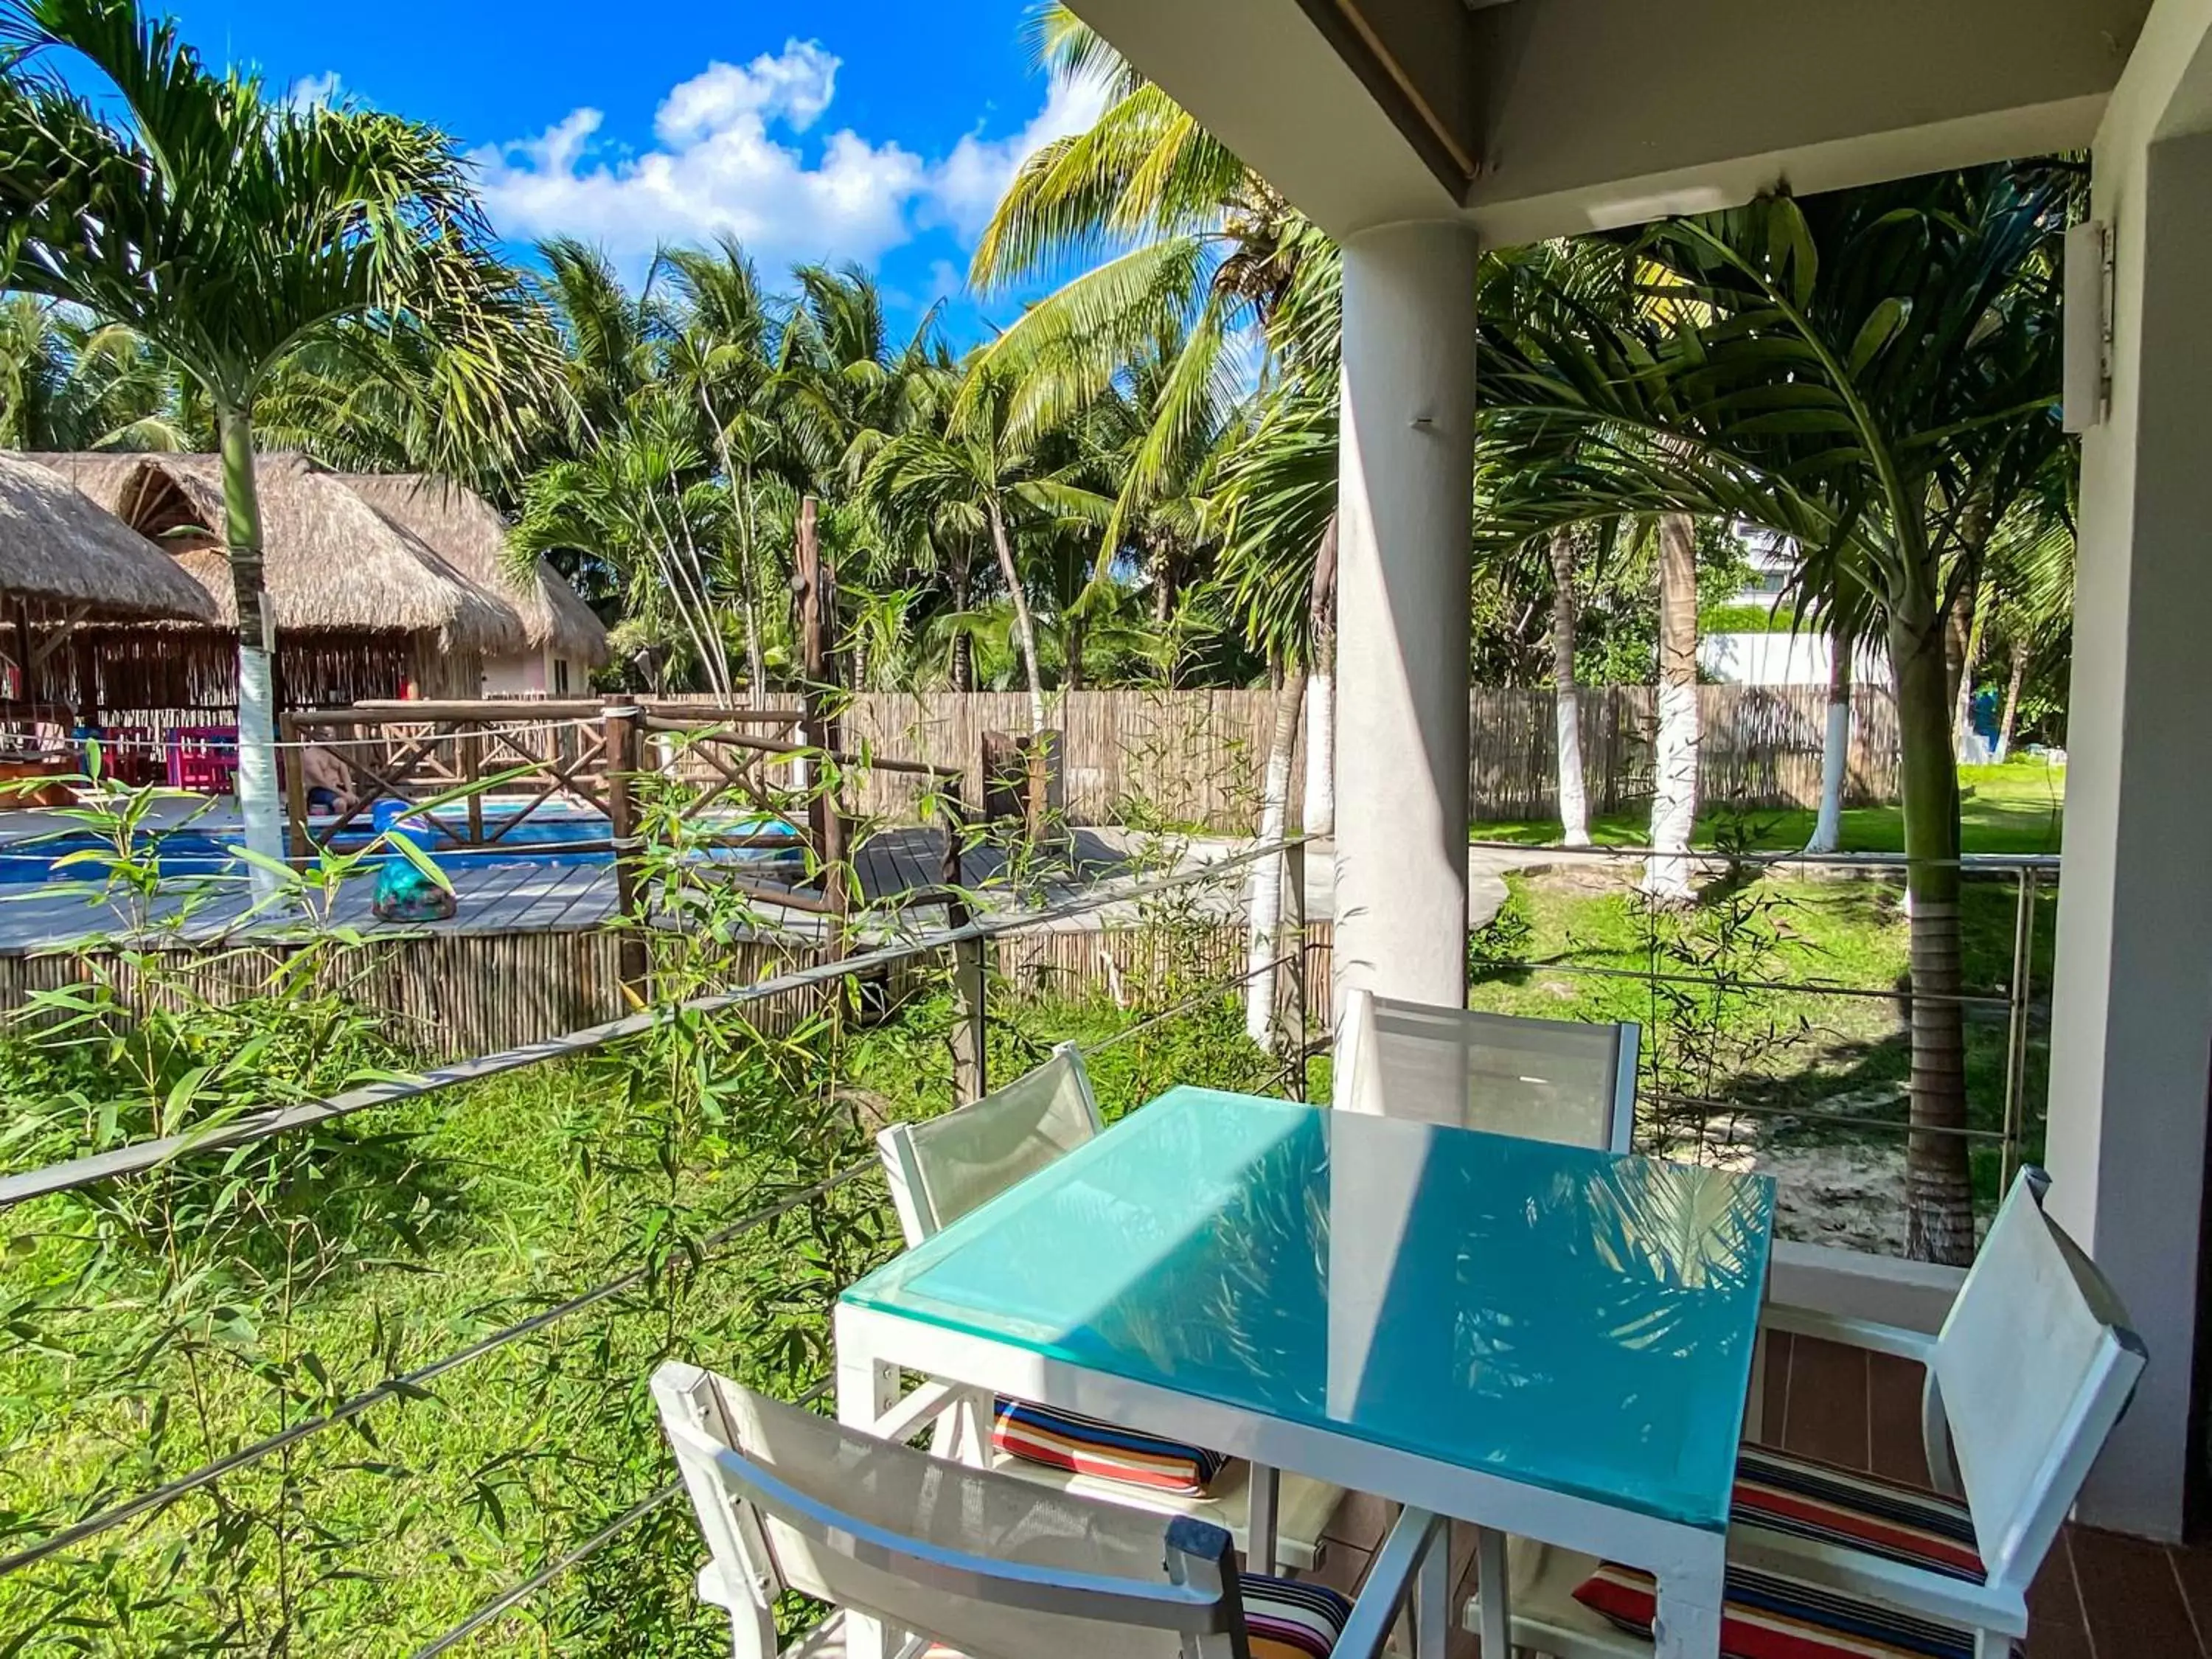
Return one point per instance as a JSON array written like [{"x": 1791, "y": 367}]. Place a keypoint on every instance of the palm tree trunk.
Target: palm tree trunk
[
  {"x": 257, "y": 655},
  {"x": 962, "y": 669},
  {"x": 1939, "y": 1187},
  {"x": 1264, "y": 903},
  {"x": 2011, "y": 717},
  {"x": 1835, "y": 749},
  {"x": 1574, "y": 797},
  {"x": 1674, "y": 781},
  {"x": 1025, "y": 626},
  {"x": 1071, "y": 678}
]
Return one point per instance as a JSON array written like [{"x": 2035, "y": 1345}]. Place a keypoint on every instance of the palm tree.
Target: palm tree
[
  {"x": 1873, "y": 374},
  {"x": 1196, "y": 246},
  {"x": 724, "y": 354},
  {"x": 980, "y": 476},
  {"x": 228, "y": 231},
  {"x": 66, "y": 386}
]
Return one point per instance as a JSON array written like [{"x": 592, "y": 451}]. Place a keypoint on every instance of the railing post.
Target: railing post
[
  {"x": 299, "y": 843},
  {"x": 622, "y": 753},
  {"x": 2018, "y": 998},
  {"x": 471, "y": 759},
  {"x": 971, "y": 1075},
  {"x": 1294, "y": 914}
]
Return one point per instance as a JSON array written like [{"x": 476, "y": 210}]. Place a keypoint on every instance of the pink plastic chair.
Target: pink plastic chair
[{"x": 204, "y": 758}]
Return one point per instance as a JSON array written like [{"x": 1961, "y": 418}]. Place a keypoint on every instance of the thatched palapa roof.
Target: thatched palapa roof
[
  {"x": 468, "y": 532},
  {"x": 331, "y": 562},
  {"x": 61, "y": 553}
]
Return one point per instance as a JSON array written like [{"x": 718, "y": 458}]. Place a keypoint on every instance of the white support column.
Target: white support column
[
  {"x": 2131, "y": 1040},
  {"x": 1405, "y": 522}
]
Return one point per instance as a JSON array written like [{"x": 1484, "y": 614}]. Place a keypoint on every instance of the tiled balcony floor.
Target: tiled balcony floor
[{"x": 2101, "y": 1597}]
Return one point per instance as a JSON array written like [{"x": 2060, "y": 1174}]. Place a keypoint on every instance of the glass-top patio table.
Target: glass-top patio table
[{"x": 1536, "y": 1338}]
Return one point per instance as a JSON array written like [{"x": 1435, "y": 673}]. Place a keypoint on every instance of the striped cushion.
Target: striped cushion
[
  {"x": 1818, "y": 1501},
  {"x": 1290, "y": 1620},
  {"x": 1284, "y": 1620},
  {"x": 1084, "y": 1445},
  {"x": 1767, "y": 1616}
]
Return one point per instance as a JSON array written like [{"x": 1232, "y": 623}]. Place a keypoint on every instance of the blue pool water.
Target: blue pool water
[{"x": 547, "y": 836}]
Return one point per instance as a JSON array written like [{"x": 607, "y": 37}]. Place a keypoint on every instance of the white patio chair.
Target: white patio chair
[
  {"x": 2031, "y": 1370},
  {"x": 942, "y": 1168},
  {"x": 1557, "y": 1080},
  {"x": 962, "y": 1563}
]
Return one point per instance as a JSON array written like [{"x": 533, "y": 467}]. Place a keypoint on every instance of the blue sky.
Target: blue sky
[{"x": 879, "y": 131}]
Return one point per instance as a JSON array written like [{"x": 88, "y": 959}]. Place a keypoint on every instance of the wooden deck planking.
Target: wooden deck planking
[{"x": 521, "y": 895}]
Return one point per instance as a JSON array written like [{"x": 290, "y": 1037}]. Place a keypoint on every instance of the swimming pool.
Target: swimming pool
[{"x": 548, "y": 835}]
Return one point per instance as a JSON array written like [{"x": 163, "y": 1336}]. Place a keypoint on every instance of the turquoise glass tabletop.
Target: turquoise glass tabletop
[{"x": 1568, "y": 1319}]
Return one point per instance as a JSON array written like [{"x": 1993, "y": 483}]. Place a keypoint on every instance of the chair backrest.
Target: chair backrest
[
  {"x": 987, "y": 1564},
  {"x": 1543, "y": 1079},
  {"x": 2035, "y": 1365},
  {"x": 941, "y": 1169}
]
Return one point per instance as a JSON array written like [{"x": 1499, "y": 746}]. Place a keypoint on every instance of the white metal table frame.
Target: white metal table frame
[{"x": 874, "y": 1345}]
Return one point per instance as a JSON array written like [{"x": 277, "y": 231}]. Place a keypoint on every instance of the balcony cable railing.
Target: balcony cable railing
[{"x": 2018, "y": 1001}]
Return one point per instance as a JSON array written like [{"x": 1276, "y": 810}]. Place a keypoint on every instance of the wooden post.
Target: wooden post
[
  {"x": 622, "y": 754},
  {"x": 292, "y": 759},
  {"x": 955, "y": 874},
  {"x": 88, "y": 680},
  {"x": 971, "y": 1072},
  {"x": 471, "y": 758}
]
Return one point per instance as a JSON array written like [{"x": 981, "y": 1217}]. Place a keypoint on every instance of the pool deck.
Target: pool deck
[{"x": 523, "y": 896}]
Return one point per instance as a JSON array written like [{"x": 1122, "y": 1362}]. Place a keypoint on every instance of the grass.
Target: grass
[
  {"x": 1780, "y": 1054},
  {"x": 2015, "y": 808},
  {"x": 463, "y": 1212}
]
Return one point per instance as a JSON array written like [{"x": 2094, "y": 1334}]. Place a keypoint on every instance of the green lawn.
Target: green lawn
[
  {"x": 1779, "y": 1054},
  {"x": 429, "y": 1224},
  {"x": 2006, "y": 808}
]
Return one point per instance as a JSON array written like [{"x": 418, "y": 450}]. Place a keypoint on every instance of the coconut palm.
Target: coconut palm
[
  {"x": 1190, "y": 245},
  {"x": 65, "y": 385},
  {"x": 228, "y": 231},
  {"x": 1872, "y": 375},
  {"x": 723, "y": 354},
  {"x": 980, "y": 476}
]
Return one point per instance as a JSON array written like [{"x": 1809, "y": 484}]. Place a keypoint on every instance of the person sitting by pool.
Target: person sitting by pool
[{"x": 330, "y": 788}]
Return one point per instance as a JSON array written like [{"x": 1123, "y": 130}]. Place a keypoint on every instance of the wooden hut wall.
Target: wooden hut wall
[{"x": 164, "y": 677}]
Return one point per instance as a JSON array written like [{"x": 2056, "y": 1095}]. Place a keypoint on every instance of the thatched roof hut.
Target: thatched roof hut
[
  {"x": 332, "y": 563},
  {"x": 467, "y": 530},
  {"x": 63, "y": 557}
]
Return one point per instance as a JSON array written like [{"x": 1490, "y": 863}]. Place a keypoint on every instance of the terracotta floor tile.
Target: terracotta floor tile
[
  {"x": 1827, "y": 1416},
  {"x": 1894, "y": 1390},
  {"x": 2132, "y": 1598},
  {"x": 2054, "y": 1600},
  {"x": 2193, "y": 1567},
  {"x": 1778, "y": 1388}
]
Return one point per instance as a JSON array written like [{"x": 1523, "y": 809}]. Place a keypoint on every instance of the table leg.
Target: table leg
[
  {"x": 867, "y": 1389},
  {"x": 1267, "y": 1485},
  {"x": 1491, "y": 1574},
  {"x": 1688, "y": 1623}
]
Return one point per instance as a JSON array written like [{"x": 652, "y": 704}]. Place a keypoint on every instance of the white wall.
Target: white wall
[
  {"x": 1782, "y": 659},
  {"x": 2131, "y": 1036}
]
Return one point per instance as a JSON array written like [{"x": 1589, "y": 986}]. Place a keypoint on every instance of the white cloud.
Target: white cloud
[
  {"x": 313, "y": 92},
  {"x": 795, "y": 88},
  {"x": 723, "y": 162},
  {"x": 966, "y": 184}
]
